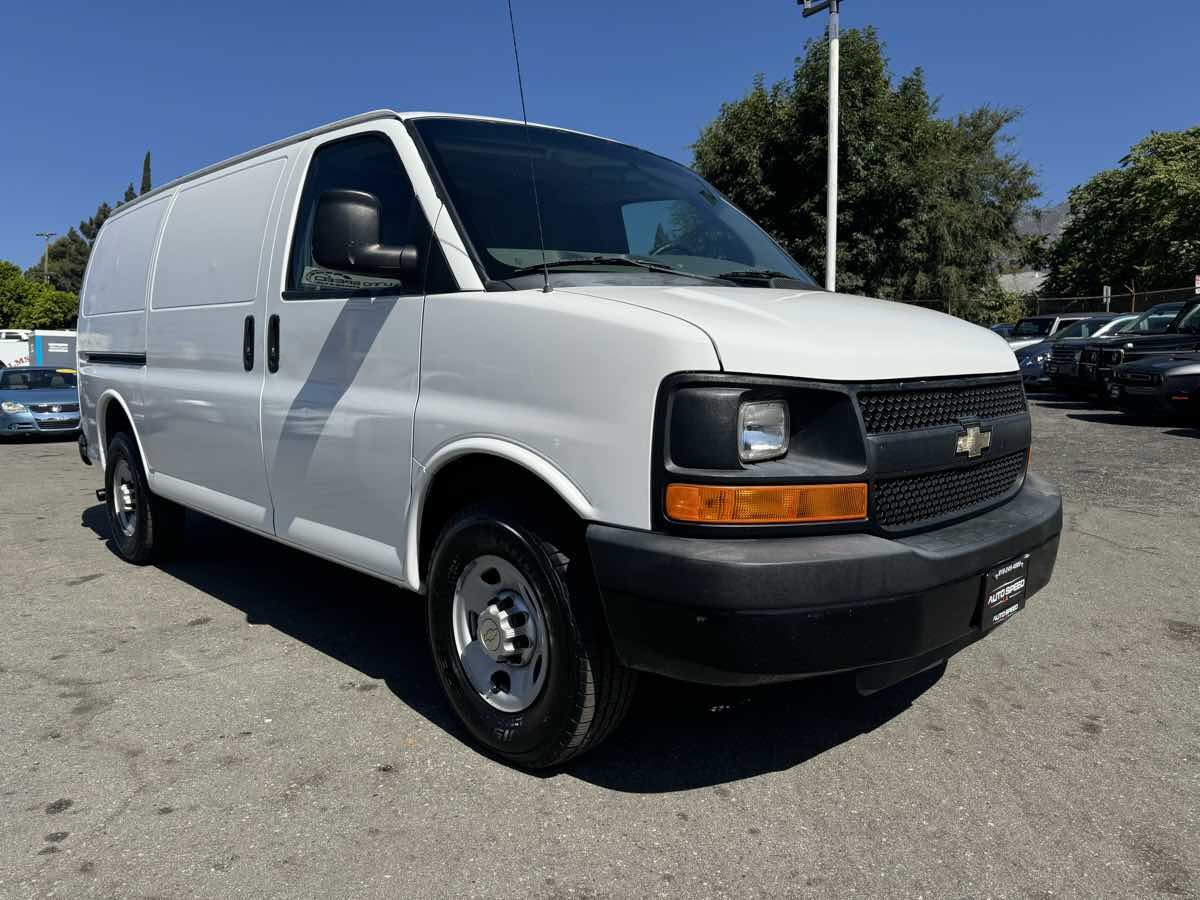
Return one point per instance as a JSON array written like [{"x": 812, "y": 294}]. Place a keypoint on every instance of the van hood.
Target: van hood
[{"x": 821, "y": 335}]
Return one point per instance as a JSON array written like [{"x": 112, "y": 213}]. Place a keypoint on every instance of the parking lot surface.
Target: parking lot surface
[{"x": 248, "y": 721}]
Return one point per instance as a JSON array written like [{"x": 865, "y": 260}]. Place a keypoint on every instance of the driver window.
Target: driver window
[{"x": 365, "y": 163}]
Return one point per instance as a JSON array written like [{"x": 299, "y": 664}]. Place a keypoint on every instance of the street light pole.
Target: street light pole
[
  {"x": 811, "y": 8},
  {"x": 46, "y": 235}
]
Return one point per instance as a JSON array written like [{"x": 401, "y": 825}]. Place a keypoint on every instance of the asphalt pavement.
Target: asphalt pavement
[{"x": 248, "y": 721}]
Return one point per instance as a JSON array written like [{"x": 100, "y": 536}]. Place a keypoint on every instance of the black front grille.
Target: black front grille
[
  {"x": 886, "y": 412},
  {"x": 50, "y": 426},
  {"x": 1064, "y": 355},
  {"x": 915, "y": 499},
  {"x": 1113, "y": 357},
  {"x": 1138, "y": 378},
  {"x": 49, "y": 407}
]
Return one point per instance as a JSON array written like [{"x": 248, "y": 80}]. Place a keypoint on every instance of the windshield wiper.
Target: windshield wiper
[
  {"x": 610, "y": 261},
  {"x": 759, "y": 274}
]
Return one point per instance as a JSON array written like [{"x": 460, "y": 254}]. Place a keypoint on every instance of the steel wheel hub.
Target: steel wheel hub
[
  {"x": 498, "y": 626},
  {"x": 124, "y": 498}
]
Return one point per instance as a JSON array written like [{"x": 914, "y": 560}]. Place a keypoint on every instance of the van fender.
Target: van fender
[
  {"x": 423, "y": 477},
  {"x": 110, "y": 395}
]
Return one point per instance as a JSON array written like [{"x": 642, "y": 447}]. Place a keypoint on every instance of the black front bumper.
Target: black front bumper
[
  {"x": 751, "y": 610},
  {"x": 1159, "y": 400},
  {"x": 1035, "y": 378}
]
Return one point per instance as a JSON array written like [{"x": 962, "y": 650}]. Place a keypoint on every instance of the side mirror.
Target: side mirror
[{"x": 346, "y": 238}]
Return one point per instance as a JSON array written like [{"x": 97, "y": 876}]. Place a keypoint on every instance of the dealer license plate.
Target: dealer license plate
[{"x": 1004, "y": 591}]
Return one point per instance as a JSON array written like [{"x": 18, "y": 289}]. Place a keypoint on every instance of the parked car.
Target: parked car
[
  {"x": 647, "y": 442},
  {"x": 1036, "y": 359},
  {"x": 1004, "y": 330},
  {"x": 1062, "y": 368},
  {"x": 1035, "y": 329},
  {"x": 1168, "y": 385},
  {"x": 38, "y": 401},
  {"x": 1165, "y": 328}
]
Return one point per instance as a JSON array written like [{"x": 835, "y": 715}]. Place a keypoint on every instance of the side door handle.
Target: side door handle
[
  {"x": 248, "y": 343},
  {"x": 273, "y": 344}
]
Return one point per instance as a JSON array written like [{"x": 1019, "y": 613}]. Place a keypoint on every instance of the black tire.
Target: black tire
[
  {"x": 150, "y": 528},
  {"x": 585, "y": 691}
]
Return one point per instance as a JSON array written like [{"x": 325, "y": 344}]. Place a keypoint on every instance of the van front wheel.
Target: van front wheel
[
  {"x": 518, "y": 637},
  {"x": 144, "y": 527}
]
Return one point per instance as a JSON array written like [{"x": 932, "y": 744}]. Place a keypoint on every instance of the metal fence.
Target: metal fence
[
  {"x": 1132, "y": 302},
  {"x": 1034, "y": 305}
]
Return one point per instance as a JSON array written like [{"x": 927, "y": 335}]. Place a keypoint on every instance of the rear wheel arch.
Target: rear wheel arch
[{"x": 113, "y": 416}]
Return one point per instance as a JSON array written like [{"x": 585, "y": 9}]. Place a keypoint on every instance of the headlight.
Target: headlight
[
  {"x": 10, "y": 406},
  {"x": 762, "y": 430},
  {"x": 1041, "y": 358}
]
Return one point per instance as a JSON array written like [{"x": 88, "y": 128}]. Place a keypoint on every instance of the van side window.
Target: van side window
[{"x": 364, "y": 163}]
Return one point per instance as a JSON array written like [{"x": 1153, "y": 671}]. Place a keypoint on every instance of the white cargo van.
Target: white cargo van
[{"x": 656, "y": 445}]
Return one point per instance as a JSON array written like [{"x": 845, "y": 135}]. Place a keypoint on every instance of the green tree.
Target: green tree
[
  {"x": 129, "y": 194},
  {"x": 90, "y": 228},
  {"x": 927, "y": 206},
  {"x": 11, "y": 292},
  {"x": 26, "y": 303},
  {"x": 68, "y": 260},
  {"x": 1136, "y": 226},
  {"x": 145, "y": 188}
]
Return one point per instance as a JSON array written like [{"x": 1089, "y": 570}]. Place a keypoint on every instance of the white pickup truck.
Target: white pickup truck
[{"x": 654, "y": 445}]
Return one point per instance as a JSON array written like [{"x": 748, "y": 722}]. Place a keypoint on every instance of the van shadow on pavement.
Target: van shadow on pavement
[{"x": 677, "y": 736}]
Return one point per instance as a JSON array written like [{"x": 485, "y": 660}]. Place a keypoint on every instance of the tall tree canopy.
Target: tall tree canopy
[
  {"x": 927, "y": 206},
  {"x": 1136, "y": 227},
  {"x": 145, "y": 188}
]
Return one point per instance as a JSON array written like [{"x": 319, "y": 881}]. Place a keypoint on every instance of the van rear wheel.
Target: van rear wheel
[
  {"x": 145, "y": 528},
  {"x": 518, "y": 637}
]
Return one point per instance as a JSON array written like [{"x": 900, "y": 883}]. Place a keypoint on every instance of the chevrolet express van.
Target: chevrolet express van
[{"x": 654, "y": 446}]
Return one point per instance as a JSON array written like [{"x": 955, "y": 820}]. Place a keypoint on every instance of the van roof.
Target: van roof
[{"x": 313, "y": 132}]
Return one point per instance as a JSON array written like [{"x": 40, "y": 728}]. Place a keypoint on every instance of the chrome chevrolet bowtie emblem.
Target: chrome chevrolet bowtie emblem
[
  {"x": 973, "y": 441},
  {"x": 56, "y": 409}
]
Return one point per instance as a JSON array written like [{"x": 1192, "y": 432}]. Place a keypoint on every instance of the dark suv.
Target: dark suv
[
  {"x": 1168, "y": 385},
  {"x": 1165, "y": 328}
]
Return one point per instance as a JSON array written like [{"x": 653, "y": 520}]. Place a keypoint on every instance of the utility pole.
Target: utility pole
[
  {"x": 46, "y": 235},
  {"x": 811, "y": 8}
]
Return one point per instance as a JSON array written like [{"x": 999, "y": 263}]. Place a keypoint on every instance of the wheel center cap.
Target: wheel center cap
[{"x": 489, "y": 633}]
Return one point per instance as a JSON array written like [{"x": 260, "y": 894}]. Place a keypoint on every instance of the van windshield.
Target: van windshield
[{"x": 605, "y": 208}]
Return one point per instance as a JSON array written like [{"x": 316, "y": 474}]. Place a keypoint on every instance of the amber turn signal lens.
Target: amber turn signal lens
[{"x": 768, "y": 505}]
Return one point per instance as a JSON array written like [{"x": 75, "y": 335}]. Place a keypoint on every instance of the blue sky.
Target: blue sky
[{"x": 89, "y": 87}]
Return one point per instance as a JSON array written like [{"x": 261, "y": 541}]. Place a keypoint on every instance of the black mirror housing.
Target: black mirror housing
[{"x": 346, "y": 238}]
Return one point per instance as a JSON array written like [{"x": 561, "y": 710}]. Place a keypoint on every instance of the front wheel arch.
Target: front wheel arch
[{"x": 474, "y": 477}]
